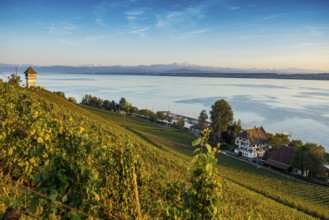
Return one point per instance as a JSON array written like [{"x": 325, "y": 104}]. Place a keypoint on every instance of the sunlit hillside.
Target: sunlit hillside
[{"x": 60, "y": 160}]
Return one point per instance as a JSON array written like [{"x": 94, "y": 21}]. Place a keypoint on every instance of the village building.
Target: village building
[
  {"x": 252, "y": 143},
  {"x": 30, "y": 76},
  {"x": 281, "y": 158},
  {"x": 326, "y": 170}
]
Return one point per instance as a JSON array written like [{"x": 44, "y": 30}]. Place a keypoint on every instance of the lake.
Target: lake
[{"x": 300, "y": 107}]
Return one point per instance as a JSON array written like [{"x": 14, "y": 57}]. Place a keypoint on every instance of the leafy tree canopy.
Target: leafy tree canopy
[
  {"x": 180, "y": 123},
  {"x": 310, "y": 158},
  {"x": 221, "y": 116},
  {"x": 278, "y": 140},
  {"x": 203, "y": 117}
]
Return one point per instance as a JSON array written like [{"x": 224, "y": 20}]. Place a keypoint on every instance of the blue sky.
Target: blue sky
[{"x": 222, "y": 33}]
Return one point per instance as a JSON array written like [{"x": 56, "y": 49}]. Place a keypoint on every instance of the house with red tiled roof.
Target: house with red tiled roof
[
  {"x": 252, "y": 143},
  {"x": 281, "y": 158}
]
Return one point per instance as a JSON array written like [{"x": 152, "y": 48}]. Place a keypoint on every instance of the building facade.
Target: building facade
[{"x": 252, "y": 143}]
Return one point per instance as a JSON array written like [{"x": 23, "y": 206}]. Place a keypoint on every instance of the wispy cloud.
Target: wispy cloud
[
  {"x": 194, "y": 32},
  {"x": 101, "y": 11},
  {"x": 174, "y": 19},
  {"x": 62, "y": 28},
  {"x": 184, "y": 23},
  {"x": 234, "y": 8},
  {"x": 134, "y": 16},
  {"x": 100, "y": 21},
  {"x": 142, "y": 32},
  {"x": 136, "y": 19}
]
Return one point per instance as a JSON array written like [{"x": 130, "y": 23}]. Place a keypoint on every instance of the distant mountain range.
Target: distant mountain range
[{"x": 175, "y": 69}]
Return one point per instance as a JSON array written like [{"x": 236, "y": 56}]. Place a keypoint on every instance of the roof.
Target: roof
[
  {"x": 326, "y": 167},
  {"x": 281, "y": 158},
  {"x": 255, "y": 135},
  {"x": 30, "y": 70}
]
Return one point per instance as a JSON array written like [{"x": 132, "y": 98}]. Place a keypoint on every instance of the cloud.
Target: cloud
[
  {"x": 183, "y": 23},
  {"x": 234, "y": 8},
  {"x": 136, "y": 19},
  {"x": 186, "y": 17},
  {"x": 195, "y": 32},
  {"x": 101, "y": 10},
  {"x": 142, "y": 32},
  {"x": 100, "y": 22},
  {"x": 62, "y": 28}
]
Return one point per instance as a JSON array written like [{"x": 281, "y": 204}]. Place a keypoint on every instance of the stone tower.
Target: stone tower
[{"x": 30, "y": 76}]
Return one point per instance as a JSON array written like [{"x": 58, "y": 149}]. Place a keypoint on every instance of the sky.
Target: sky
[{"x": 219, "y": 33}]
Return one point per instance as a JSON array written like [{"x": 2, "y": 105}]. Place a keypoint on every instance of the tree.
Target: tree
[
  {"x": 296, "y": 143},
  {"x": 61, "y": 94},
  {"x": 232, "y": 132},
  {"x": 310, "y": 159},
  {"x": 92, "y": 101},
  {"x": 113, "y": 105},
  {"x": 133, "y": 109},
  {"x": 203, "y": 116},
  {"x": 106, "y": 105},
  {"x": 180, "y": 123},
  {"x": 14, "y": 79},
  {"x": 72, "y": 99},
  {"x": 148, "y": 114},
  {"x": 122, "y": 103},
  {"x": 161, "y": 115},
  {"x": 278, "y": 140},
  {"x": 221, "y": 116}
]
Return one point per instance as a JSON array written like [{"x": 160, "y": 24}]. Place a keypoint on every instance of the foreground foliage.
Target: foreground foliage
[
  {"x": 202, "y": 198},
  {"x": 72, "y": 160}
]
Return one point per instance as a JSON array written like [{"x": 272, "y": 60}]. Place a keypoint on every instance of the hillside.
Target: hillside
[{"x": 62, "y": 160}]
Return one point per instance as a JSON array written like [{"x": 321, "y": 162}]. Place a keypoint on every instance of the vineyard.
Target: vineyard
[
  {"x": 309, "y": 198},
  {"x": 50, "y": 146},
  {"x": 60, "y": 160}
]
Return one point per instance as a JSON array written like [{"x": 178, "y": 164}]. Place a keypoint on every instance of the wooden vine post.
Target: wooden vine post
[{"x": 139, "y": 214}]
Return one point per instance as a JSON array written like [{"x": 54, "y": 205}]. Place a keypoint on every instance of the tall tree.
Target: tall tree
[
  {"x": 122, "y": 103},
  {"x": 310, "y": 159},
  {"x": 221, "y": 116},
  {"x": 203, "y": 116}
]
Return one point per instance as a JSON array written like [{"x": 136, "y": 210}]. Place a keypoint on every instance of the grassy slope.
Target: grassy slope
[
  {"x": 166, "y": 153},
  {"x": 160, "y": 167},
  {"x": 239, "y": 198}
]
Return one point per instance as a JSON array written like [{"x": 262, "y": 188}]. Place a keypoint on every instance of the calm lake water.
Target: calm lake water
[{"x": 300, "y": 107}]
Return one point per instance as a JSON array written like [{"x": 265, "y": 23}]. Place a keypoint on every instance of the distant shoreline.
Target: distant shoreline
[
  {"x": 301, "y": 76},
  {"x": 177, "y": 70}
]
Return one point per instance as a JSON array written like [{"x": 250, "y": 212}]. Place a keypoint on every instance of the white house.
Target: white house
[{"x": 252, "y": 142}]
